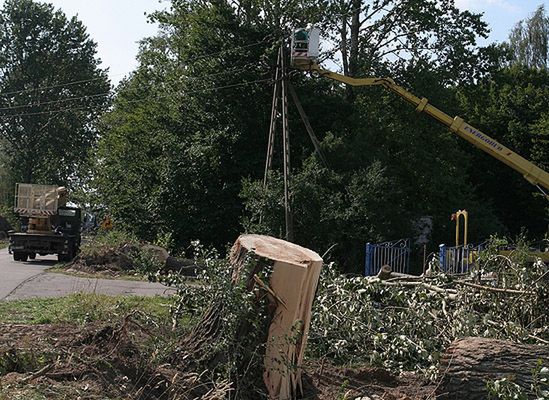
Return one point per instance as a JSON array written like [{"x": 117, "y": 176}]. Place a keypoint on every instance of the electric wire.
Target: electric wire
[
  {"x": 78, "y": 82},
  {"x": 105, "y": 94},
  {"x": 242, "y": 84}
]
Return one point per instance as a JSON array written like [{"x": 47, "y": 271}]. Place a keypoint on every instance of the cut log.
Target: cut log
[
  {"x": 385, "y": 272},
  {"x": 292, "y": 286},
  {"x": 468, "y": 364}
]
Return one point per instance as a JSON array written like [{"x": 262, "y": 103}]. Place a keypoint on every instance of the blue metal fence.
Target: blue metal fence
[
  {"x": 459, "y": 259},
  {"x": 395, "y": 254}
]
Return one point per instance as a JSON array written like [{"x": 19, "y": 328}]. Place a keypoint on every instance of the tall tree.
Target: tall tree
[
  {"x": 183, "y": 133},
  {"x": 184, "y": 127},
  {"x": 511, "y": 106},
  {"x": 529, "y": 40},
  {"x": 380, "y": 36},
  {"x": 6, "y": 191},
  {"x": 52, "y": 91}
]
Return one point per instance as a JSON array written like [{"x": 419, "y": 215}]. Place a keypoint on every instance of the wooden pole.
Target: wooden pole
[
  {"x": 308, "y": 127},
  {"x": 286, "y": 140},
  {"x": 274, "y": 112}
]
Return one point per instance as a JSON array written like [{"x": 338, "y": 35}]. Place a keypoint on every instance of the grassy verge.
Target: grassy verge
[
  {"x": 81, "y": 309},
  {"x": 3, "y": 244},
  {"x": 61, "y": 269}
]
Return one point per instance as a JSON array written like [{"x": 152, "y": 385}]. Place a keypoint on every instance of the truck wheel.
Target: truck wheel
[
  {"x": 18, "y": 256},
  {"x": 32, "y": 256}
]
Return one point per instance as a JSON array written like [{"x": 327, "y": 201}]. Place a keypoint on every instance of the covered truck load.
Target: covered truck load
[
  {"x": 48, "y": 225},
  {"x": 38, "y": 200}
]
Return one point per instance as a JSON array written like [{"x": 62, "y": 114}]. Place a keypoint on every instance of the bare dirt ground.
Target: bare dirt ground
[
  {"x": 325, "y": 381},
  {"x": 117, "y": 361},
  {"x": 97, "y": 361}
]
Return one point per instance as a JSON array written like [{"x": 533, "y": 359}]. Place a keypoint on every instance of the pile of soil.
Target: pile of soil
[
  {"x": 124, "y": 360},
  {"x": 120, "y": 260},
  {"x": 106, "y": 260}
]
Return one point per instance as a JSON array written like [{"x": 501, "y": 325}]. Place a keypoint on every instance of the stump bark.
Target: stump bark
[
  {"x": 292, "y": 286},
  {"x": 468, "y": 364}
]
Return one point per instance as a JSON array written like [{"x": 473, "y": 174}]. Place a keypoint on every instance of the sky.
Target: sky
[
  {"x": 501, "y": 15},
  {"x": 118, "y": 25}
]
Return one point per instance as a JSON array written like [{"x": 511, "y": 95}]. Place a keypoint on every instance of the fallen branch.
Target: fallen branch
[
  {"x": 425, "y": 285},
  {"x": 494, "y": 289},
  {"x": 38, "y": 374}
]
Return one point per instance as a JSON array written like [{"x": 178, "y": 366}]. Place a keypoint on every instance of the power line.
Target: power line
[
  {"x": 138, "y": 100},
  {"x": 15, "y": 107},
  {"x": 200, "y": 57},
  {"x": 73, "y": 83}
]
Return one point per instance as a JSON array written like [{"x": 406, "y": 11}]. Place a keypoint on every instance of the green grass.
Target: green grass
[
  {"x": 81, "y": 308},
  {"x": 61, "y": 269},
  {"x": 3, "y": 244}
]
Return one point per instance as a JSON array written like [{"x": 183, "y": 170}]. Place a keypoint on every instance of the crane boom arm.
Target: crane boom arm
[{"x": 529, "y": 170}]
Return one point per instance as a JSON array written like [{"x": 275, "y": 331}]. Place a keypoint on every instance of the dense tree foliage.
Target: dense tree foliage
[
  {"x": 529, "y": 40},
  {"x": 373, "y": 35},
  {"x": 187, "y": 125},
  {"x": 177, "y": 144},
  {"x": 512, "y": 106},
  {"x": 182, "y": 152},
  {"x": 52, "y": 91},
  {"x": 5, "y": 177}
]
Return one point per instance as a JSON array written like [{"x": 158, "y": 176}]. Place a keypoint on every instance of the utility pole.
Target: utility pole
[
  {"x": 274, "y": 113},
  {"x": 283, "y": 88},
  {"x": 280, "y": 95},
  {"x": 289, "y": 218}
]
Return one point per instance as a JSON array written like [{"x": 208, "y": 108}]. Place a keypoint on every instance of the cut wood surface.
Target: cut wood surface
[
  {"x": 293, "y": 283},
  {"x": 468, "y": 364}
]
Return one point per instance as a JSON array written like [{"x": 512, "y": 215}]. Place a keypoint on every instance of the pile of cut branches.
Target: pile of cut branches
[{"x": 405, "y": 322}]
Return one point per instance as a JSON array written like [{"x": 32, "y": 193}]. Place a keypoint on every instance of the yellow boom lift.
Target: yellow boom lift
[{"x": 304, "y": 56}]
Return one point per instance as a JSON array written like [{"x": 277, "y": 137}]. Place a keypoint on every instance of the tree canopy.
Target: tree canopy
[
  {"x": 183, "y": 150},
  {"x": 529, "y": 40},
  {"x": 52, "y": 92}
]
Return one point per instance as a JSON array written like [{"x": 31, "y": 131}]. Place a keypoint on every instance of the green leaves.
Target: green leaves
[
  {"x": 529, "y": 40},
  {"x": 511, "y": 106},
  {"x": 402, "y": 325},
  {"x": 51, "y": 93}
]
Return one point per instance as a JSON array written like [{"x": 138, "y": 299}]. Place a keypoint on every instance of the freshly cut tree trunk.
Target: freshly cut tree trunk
[
  {"x": 470, "y": 363},
  {"x": 292, "y": 286}
]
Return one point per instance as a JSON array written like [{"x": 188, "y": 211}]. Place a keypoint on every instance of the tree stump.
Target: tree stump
[
  {"x": 292, "y": 285},
  {"x": 468, "y": 364}
]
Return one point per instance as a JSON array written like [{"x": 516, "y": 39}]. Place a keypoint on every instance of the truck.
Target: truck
[{"x": 48, "y": 224}]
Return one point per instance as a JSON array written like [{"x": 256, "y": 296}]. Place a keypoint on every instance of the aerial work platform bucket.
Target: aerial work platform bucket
[{"x": 305, "y": 46}]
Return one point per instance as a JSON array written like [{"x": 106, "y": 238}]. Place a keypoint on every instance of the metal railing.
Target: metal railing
[
  {"x": 458, "y": 259},
  {"x": 396, "y": 254}
]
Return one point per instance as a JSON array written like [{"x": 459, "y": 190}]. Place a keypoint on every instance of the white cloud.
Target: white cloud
[{"x": 482, "y": 5}]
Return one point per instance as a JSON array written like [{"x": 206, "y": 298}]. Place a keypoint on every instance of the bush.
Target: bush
[{"x": 228, "y": 325}]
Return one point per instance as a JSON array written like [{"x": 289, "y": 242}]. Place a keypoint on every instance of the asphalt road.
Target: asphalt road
[{"x": 24, "y": 280}]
